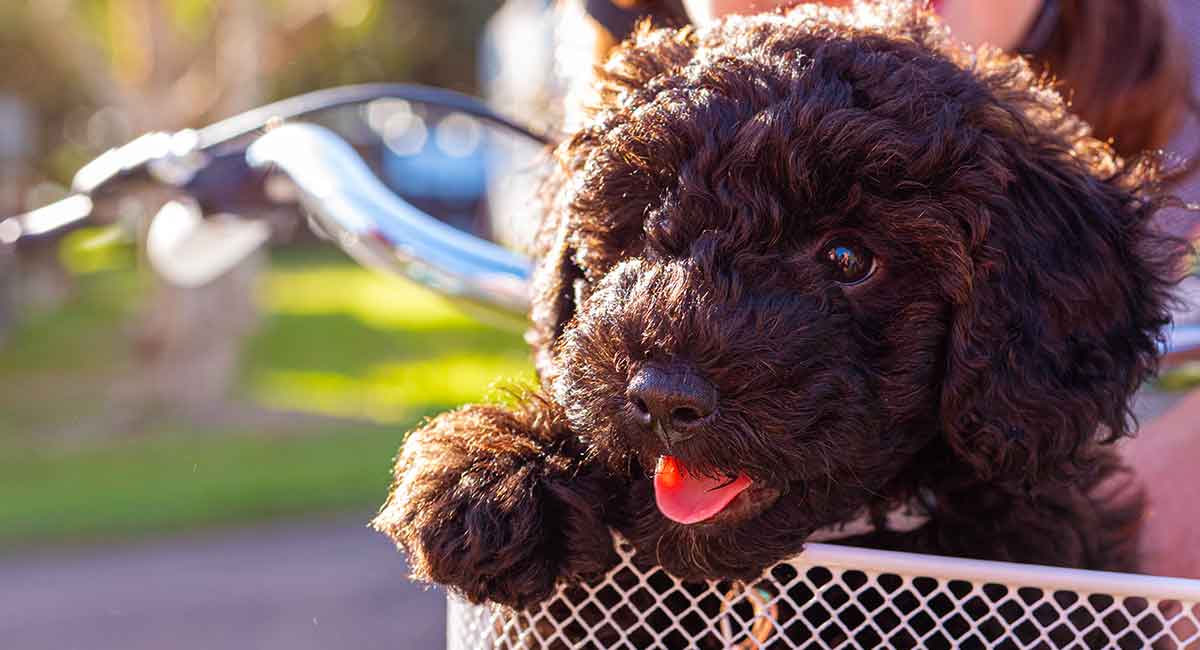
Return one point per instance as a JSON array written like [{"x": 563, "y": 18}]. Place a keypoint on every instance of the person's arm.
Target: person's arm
[
  {"x": 1166, "y": 458},
  {"x": 998, "y": 22}
]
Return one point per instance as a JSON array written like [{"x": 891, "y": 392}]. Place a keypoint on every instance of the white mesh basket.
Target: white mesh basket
[{"x": 842, "y": 597}]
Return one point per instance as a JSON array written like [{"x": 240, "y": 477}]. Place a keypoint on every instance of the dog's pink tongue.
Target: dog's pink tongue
[{"x": 690, "y": 499}]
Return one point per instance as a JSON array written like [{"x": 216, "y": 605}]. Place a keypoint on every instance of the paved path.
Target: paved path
[{"x": 319, "y": 584}]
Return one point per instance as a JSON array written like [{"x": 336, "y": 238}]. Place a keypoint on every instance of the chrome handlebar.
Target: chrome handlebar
[{"x": 352, "y": 207}]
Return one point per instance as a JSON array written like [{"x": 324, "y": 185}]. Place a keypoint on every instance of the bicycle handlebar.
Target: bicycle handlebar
[
  {"x": 380, "y": 229},
  {"x": 190, "y": 159}
]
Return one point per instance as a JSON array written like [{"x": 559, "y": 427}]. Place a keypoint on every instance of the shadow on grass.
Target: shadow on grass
[{"x": 85, "y": 333}]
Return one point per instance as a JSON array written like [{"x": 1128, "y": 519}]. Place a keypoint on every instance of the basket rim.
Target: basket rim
[
  {"x": 1170, "y": 601},
  {"x": 1010, "y": 574}
]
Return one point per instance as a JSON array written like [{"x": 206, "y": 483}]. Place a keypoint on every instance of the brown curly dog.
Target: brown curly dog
[{"x": 800, "y": 272}]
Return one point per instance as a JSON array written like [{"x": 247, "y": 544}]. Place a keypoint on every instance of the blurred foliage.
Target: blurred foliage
[
  {"x": 1179, "y": 378},
  {"x": 338, "y": 340},
  {"x": 97, "y": 72},
  {"x": 426, "y": 41},
  {"x": 345, "y": 361}
]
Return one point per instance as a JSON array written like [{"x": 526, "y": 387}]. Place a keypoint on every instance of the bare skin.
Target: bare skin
[
  {"x": 1165, "y": 454},
  {"x": 996, "y": 22}
]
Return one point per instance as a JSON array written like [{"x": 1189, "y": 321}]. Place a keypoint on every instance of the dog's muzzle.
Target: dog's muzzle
[{"x": 675, "y": 401}]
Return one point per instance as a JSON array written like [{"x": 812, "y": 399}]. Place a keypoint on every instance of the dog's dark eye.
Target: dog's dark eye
[{"x": 850, "y": 263}]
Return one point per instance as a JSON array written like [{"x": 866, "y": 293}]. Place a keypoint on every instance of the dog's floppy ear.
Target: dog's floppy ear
[
  {"x": 553, "y": 292},
  {"x": 1063, "y": 315}
]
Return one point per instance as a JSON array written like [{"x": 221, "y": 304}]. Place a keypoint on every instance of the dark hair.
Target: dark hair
[
  {"x": 1125, "y": 70},
  {"x": 618, "y": 19}
]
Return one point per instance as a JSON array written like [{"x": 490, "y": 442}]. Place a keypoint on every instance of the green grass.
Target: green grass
[
  {"x": 70, "y": 338},
  {"x": 336, "y": 340},
  {"x": 346, "y": 342},
  {"x": 178, "y": 483}
]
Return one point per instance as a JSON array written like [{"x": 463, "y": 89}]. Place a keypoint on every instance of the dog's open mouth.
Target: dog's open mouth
[{"x": 688, "y": 499}]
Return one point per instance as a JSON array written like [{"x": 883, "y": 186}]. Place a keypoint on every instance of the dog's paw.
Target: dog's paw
[{"x": 481, "y": 507}]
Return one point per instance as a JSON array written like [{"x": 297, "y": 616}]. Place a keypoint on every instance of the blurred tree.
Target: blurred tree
[{"x": 98, "y": 72}]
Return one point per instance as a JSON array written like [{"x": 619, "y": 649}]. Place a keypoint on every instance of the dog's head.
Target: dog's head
[{"x": 789, "y": 255}]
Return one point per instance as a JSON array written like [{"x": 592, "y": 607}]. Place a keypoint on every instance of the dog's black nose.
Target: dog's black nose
[{"x": 676, "y": 397}]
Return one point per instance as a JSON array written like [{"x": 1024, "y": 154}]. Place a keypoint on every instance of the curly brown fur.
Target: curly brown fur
[
  {"x": 1015, "y": 308},
  {"x": 498, "y": 504}
]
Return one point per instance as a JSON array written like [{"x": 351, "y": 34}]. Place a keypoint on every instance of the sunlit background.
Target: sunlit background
[
  {"x": 145, "y": 428},
  {"x": 155, "y": 396},
  {"x": 194, "y": 467}
]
